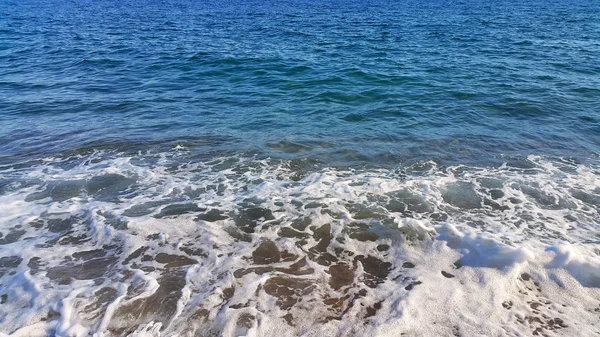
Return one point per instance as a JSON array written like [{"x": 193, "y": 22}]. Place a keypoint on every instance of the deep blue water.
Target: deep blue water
[{"x": 342, "y": 82}]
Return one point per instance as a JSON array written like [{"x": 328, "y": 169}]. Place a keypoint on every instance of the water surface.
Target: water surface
[{"x": 315, "y": 168}]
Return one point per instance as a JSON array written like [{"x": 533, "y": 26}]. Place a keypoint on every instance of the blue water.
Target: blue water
[
  {"x": 347, "y": 83},
  {"x": 299, "y": 168}
]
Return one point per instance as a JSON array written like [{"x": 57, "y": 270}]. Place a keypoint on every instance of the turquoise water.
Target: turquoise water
[
  {"x": 346, "y": 83},
  {"x": 299, "y": 168}
]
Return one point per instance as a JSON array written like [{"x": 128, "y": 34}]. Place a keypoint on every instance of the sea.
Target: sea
[{"x": 299, "y": 168}]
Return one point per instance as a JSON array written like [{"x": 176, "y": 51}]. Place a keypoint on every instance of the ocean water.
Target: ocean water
[{"x": 299, "y": 168}]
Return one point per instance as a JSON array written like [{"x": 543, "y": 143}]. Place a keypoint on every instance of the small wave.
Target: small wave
[{"x": 160, "y": 244}]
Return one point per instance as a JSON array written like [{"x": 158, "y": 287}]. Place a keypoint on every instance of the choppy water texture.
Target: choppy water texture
[{"x": 315, "y": 168}]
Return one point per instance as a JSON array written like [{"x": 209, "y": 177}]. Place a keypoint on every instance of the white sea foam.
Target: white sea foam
[{"x": 162, "y": 246}]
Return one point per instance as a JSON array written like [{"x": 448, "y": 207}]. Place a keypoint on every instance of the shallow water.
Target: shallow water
[{"x": 299, "y": 168}]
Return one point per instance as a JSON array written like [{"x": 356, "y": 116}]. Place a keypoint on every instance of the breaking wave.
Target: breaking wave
[{"x": 110, "y": 244}]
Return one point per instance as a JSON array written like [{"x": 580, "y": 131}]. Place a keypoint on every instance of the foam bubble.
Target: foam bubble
[{"x": 152, "y": 245}]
